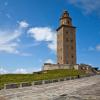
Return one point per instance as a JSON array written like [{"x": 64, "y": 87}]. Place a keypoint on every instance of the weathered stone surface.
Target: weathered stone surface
[
  {"x": 2, "y": 98},
  {"x": 87, "y": 88}
]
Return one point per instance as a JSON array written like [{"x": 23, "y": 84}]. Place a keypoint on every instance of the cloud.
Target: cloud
[
  {"x": 8, "y": 15},
  {"x": 25, "y": 54},
  {"x": 23, "y": 24},
  {"x": 53, "y": 44},
  {"x": 36, "y": 69},
  {"x": 9, "y": 39},
  {"x": 8, "y": 42},
  {"x": 3, "y": 71},
  {"x": 44, "y": 34},
  {"x": 91, "y": 49},
  {"x": 41, "y": 33},
  {"x": 6, "y": 3},
  {"x": 20, "y": 71},
  {"x": 98, "y": 47},
  {"x": 49, "y": 61},
  {"x": 17, "y": 71},
  {"x": 9, "y": 48},
  {"x": 9, "y": 35},
  {"x": 88, "y": 6}
]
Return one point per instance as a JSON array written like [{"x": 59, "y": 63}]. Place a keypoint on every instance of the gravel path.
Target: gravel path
[{"x": 79, "y": 89}]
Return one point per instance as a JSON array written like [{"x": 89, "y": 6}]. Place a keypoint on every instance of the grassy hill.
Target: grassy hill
[{"x": 43, "y": 75}]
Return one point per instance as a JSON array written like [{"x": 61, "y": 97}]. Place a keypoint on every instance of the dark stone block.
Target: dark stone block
[
  {"x": 62, "y": 79},
  {"x": 68, "y": 78},
  {"x": 11, "y": 86},
  {"x": 37, "y": 82},
  {"x": 72, "y": 78},
  {"x": 55, "y": 80},
  {"x": 26, "y": 84},
  {"x": 47, "y": 81}
]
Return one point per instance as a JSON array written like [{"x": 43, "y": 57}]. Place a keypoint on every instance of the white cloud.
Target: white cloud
[
  {"x": 41, "y": 33},
  {"x": 88, "y": 6},
  {"x": 53, "y": 44},
  {"x": 9, "y": 35},
  {"x": 9, "y": 48},
  {"x": 49, "y": 61},
  {"x": 8, "y": 15},
  {"x": 25, "y": 54},
  {"x": 91, "y": 49},
  {"x": 17, "y": 71},
  {"x": 6, "y": 3},
  {"x": 44, "y": 34},
  {"x": 21, "y": 71},
  {"x": 3, "y": 71},
  {"x": 25, "y": 71},
  {"x": 8, "y": 41},
  {"x": 98, "y": 47},
  {"x": 36, "y": 69},
  {"x": 23, "y": 24}
]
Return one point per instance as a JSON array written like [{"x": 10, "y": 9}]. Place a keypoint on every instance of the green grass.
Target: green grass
[{"x": 53, "y": 74}]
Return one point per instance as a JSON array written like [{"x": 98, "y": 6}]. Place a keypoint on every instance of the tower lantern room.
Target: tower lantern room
[{"x": 66, "y": 19}]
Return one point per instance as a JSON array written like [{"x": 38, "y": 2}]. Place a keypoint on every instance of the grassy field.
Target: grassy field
[{"x": 54, "y": 74}]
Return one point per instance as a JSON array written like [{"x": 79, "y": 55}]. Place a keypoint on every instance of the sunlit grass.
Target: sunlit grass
[{"x": 43, "y": 75}]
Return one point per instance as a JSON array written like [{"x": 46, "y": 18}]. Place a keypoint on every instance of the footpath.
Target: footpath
[{"x": 87, "y": 88}]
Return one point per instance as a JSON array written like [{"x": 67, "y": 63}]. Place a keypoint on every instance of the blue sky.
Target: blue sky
[{"x": 28, "y": 32}]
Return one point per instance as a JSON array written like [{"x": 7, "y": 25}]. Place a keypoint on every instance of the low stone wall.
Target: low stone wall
[
  {"x": 11, "y": 86},
  {"x": 25, "y": 84},
  {"x": 37, "y": 82},
  {"x": 40, "y": 82},
  {"x": 49, "y": 66}
]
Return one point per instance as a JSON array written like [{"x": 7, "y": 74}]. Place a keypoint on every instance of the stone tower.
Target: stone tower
[{"x": 66, "y": 40}]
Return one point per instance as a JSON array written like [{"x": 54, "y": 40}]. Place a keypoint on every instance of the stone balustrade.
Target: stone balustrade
[
  {"x": 40, "y": 82},
  {"x": 11, "y": 86},
  {"x": 25, "y": 84}
]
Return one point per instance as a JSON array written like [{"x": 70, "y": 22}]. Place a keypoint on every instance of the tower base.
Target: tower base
[{"x": 49, "y": 66}]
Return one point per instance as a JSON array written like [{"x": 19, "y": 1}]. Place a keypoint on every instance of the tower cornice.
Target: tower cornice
[
  {"x": 65, "y": 17},
  {"x": 64, "y": 26}
]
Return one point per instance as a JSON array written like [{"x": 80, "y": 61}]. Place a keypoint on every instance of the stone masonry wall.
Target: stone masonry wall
[{"x": 48, "y": 66}]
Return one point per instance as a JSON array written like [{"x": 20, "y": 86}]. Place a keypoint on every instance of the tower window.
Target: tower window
[
  {"x": 66, "y": 32},
  {"x": 71, "y": 35},
  {"x": 68, "y": 22},
  {"x": 66, "y": 39},
  {"x": 72, "y": 47},
  {"x": 72, "y": 56},
  {"x": 71, "y": 40}
]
